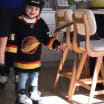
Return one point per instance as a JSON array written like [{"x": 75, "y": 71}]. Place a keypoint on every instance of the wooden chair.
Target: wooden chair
[
  {"x": 63, "y": 16},
  {"x": 84, "y": 23}
]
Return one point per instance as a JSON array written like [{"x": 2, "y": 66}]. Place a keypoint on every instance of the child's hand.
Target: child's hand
[
  {"x": 57, "y": 49},
  {"x": 57, "y": 46}
]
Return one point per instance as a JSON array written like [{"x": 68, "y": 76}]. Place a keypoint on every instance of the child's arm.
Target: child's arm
[
  {"x": 12, "y": 40},
  {"x": 11, "y": 44},
  {"x": 48, "y": 39}
]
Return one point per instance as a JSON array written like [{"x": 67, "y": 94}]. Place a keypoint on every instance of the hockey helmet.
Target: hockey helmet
[{"x": 37, "y": 3}]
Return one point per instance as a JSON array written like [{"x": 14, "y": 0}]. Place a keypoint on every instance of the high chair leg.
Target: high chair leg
[
  {"x": 73, "y": 78},
  {"x": 95, "y": 78},
  {"x": 79, "y": 70},
  {"x": 65, "y": 53},
  {"x": 102, "y": 71},
  {"x": 86, "y": 67}
]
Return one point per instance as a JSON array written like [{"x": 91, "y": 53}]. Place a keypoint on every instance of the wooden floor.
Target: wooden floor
[{"x": 50, "y": 95}]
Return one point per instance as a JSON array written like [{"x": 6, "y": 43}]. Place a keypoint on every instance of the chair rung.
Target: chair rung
[
  {"x": 100, "y": 92},
  {"x": 89, "y": 80},
  {"x": 80, "y": 83},
  {"x": 67, "y": 74}
]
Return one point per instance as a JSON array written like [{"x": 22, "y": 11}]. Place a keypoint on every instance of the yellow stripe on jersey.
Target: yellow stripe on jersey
[
  {"x": 27, "y": 65},
  {"x": 50, "y": 43},
  {"x": 11, "y": 48}
]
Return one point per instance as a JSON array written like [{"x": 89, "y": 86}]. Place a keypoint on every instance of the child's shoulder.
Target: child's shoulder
[{"x": 40, "y": 19}]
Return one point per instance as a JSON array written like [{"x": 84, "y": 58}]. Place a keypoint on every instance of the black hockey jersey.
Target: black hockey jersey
[{"x": 23, "y": 30}]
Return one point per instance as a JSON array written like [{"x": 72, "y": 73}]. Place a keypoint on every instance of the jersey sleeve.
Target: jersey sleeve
[
  {"x": 12, "y": 44},
  {"x": 48, "y": 39}
]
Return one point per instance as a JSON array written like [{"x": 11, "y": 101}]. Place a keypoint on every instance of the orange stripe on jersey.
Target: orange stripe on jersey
[
  {"x": 15, "y": 46},
  {"x": 27, "y": 65},
  {"x": 11, "y": 48},
  {"x": 50, "y": 43}
]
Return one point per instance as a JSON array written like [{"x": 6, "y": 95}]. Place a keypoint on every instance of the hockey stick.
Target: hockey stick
[{"x": 62, "y": 27}]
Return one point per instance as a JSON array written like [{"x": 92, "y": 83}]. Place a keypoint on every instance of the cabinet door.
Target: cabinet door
[
  {"x": 49, "y": 17},
  {"x": 62, "y": 4}
]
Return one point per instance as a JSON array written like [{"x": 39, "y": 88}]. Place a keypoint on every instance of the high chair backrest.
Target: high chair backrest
[
  {"x": 63, "y": 16},
  {"x": 84, "y": 24},
  {"x": 83, "y": 18}
]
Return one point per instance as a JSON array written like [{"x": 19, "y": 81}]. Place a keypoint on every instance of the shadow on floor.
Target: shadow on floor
[{"x": 50, "y": 95}]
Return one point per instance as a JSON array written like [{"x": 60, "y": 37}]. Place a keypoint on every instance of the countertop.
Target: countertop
[{"x": 98, "y": 11}]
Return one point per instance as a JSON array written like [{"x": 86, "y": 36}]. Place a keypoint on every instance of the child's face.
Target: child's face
[{"x": 32, "y": 11}]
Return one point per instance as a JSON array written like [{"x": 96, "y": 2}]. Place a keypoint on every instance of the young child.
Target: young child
[{"x": 31, "y": 32}]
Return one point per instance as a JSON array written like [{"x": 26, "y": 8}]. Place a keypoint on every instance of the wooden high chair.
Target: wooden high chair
[
  {"x": 84, "y": 24},
  {"x": 63, "y": 16}
]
